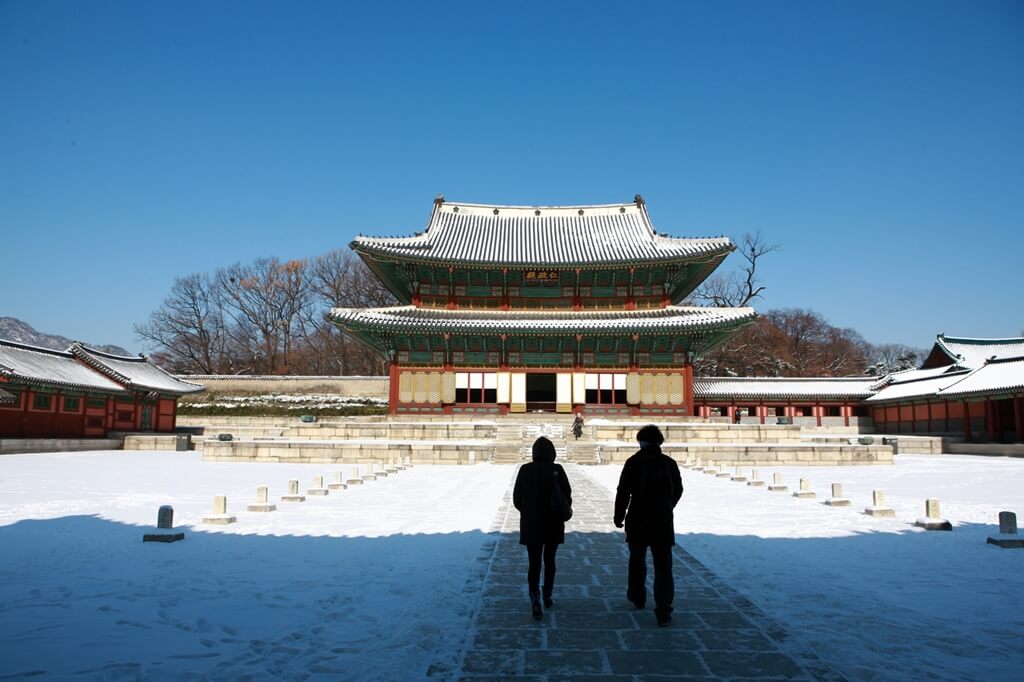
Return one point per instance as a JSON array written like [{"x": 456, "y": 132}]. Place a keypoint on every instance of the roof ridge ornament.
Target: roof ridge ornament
[
  {"x": 639, "y": 200},
  {"x": 439, "y": 199}
]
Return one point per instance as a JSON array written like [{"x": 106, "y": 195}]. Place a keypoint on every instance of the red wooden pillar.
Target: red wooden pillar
[
  {"x": 688, "y": 387},
  {"x": 992, "y": 421},
  {"x": 846, "y": 414},
  {"x": 967, "y": 421},
  {"x": 1018, "y": 419},
  {"x": 913, "y": 418},
  {"x": 929, "y": 405},
  {"x": 393, "y": 388},
  {"x": 946, "y": 417},
  {"x": 761, "y": 411},
  {"x": 818, "y": 409}
]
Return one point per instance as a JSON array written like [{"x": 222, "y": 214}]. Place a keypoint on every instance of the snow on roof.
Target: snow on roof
[
  {"x": 993, "y": 377},
  {"x": 927, "y": 385},
  {"x": 552, "y": 235},
  {"x": 764, "y": 388},
  {"x": 411, "y": 318},
  {"x": 972, "y": 352},
  {"x": 32, "y": 364},
  {"x": 133, "y": 372}
]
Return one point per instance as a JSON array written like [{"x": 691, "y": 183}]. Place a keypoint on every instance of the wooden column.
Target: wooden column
[
  {"x": 967, "y": 421},
  {"x": 688, "y": 387},
  {"x": 393, "y": 387},
  {"x": 1018, "y": 419},
  {"x": 992, "y": 421}
]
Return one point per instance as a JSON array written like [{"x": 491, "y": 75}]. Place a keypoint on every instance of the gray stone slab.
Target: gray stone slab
[
  {"x": 567, "y": 638},
  {"x": 738, "y": 640},
  {"x": 563, "y": 662},
  {"x": 753, "y": 664},
  {"x": 675, "y": 663}
]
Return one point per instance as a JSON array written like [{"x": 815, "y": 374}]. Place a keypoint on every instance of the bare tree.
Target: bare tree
[
  {"x": 188, "y": 328},
  {"x": 737, "y": 288},
  {"x": 266, "y": 299},
  {"x": 886, "y": 358}
]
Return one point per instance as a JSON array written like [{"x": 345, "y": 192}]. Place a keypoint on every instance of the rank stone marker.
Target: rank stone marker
[
  {"x": 1007, "y": 538},
  {"x": 697, "y": 465},
  {"x": 837, "y": 499},
  {"x": 293, "y": 493},
  {"x": 318, "y": 489},
  {"x": 711, "y": 469},
  {"x": 777, "y": 486},
  {"x": 164, "y": 527},
  {"x": 723, "y": 473},
  {"x": 377, "y": 470},
  {"x": 932, "y": 519},
  {"x": 369, "y": 475},
  {"x": 262, "y": 502},
  {"x": 356, "y": 479},
  {"x": 339, "y": 481},
  {"x": 739, "y": 477},
  {"x": 755, "y": 479},
  {"x": 220, "y": 516},
  {"x": 805, "y": 492},
  {"x": 878, "y": 507}
]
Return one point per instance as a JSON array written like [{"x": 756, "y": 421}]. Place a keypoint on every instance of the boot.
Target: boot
[
  {"x": 535, "y": 605},
  {"x": 547, "y": 598}
]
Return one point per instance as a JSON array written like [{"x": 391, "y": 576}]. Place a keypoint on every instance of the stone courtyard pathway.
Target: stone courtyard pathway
[{"x": 592, "y": 633}]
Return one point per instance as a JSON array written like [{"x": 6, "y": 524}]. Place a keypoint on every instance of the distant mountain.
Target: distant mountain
[{"x": 13, "y": 329}]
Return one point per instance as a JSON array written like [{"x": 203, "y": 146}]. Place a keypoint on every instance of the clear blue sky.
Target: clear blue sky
[{"x": 881, "y": 144}]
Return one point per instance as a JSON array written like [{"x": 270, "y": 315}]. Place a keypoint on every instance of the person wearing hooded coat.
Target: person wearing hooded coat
[
  {"x": 539, "y": 528},
  {"x": 649, "y": 488}
]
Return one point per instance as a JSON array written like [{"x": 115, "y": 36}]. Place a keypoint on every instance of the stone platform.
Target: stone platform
[
  {"x": 593, "y": 633},
  {"x": 504, "y": 440}
]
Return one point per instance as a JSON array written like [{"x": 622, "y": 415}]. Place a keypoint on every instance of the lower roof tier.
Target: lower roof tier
[{"x": 671, "y": 329}]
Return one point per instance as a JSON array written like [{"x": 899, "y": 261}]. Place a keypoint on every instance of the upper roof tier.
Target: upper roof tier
[
  {"x": 970, "y": 353},
  {"x": 135, "y": 373},
  {"x": 551, "y": 236}
]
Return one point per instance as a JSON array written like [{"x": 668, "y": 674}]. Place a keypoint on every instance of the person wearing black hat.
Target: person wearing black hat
[
  {"x": 540, "y": 527},
  {"x": 649, "y": 488}
]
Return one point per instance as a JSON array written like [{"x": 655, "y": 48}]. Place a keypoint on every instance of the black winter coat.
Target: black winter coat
[
  {"x": 649, "y": 488},
  {"x": 532, "y": 497}
]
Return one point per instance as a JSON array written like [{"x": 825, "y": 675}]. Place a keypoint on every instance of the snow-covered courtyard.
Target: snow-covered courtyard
[{"x": 380, "y": 581}]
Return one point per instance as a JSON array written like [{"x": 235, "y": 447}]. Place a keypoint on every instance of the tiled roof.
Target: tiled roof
[
  {"x": 6, "y": 398},
  {"x": 31, "y": 364},
  {"x": 926, "y": 385},
  {"x": 973, "y": 353},
  {"x": 548, "y": 235},
  {"x": 412, "y": 319},
  {"x": 133, "y": 372},
  {"x": 711, "y": 388},
  {"x": 996, "y": 376}
]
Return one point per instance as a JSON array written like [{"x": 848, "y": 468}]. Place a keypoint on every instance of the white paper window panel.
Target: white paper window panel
[
  {"x": 518, "y": 388},
  {"x": 504, "y": 382},
  {"x": 620, "y": 382},
  {"x": 606, "y": 382},
  {"x": 461, "y": 380},
  {"x": 476, "y": 380},
  {"x": 563, "y": 388},
  {"x": 579, "y": 390},
  {"x": 490, "y": 380},
  {"x": 591, "y": 382}
]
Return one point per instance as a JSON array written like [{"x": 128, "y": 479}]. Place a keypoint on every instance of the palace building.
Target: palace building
[
  {"x": 83, "y": 392},
  {"x": 541, "y": 308}
]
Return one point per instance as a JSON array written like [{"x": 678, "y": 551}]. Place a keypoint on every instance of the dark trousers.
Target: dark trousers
[
  {"x": 533, "y": 572},
  {"x": 664, "y": 585}
]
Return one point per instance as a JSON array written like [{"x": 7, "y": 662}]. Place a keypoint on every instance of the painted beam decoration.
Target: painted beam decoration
[{"x": 552, "y": 308}]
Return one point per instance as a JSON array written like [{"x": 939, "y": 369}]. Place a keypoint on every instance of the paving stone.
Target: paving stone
[
  {"x": 564, "y": 638},
  {"x": 736, "y": 664},
  {"x": 563, "y": 662},
  {"x": 493, "y": 662},
  {"x": 656, "y": 663},
  {"x": 734, "y": 640},
  {"x": 508, "y": 639},
  {"x": 671, "y": 638}
]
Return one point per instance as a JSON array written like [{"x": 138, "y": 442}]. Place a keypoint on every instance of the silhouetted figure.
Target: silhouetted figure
[
  {"x": 577, "y": 425},
  {"x": 649, "y": 488},
  {"x": 539, "y": 527}
]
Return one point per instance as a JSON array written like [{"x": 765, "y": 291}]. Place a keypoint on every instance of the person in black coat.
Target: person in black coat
[
  {"x": 539, "y": 528},
  {"x": 649, "y": 488}
]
